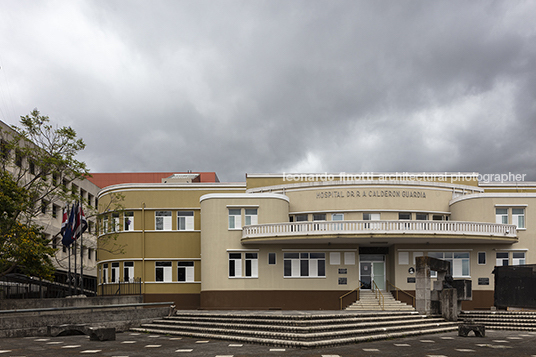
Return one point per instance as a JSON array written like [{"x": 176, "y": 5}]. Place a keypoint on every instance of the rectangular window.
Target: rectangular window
[
  {"x": 403, "y": 258},
  {"x": 163, "y": 220},
  {"x": 252, "y": 265},
  {"x": 319, "y": 217},
  {"x": 55, "y": 210},
  {"x": 334, "y": 258},
  {"x": 235, "y": 265},
  {"x": 163, "y": 271},
  {"x": 501, "y": 215},
  {"x": 235, "y": 218},
  {"x": 337, "y": 217},
  {"x": 128, "y": 271},
  {"x": 421, "y": 216},
  {"x": 371, "y": 216},
  {"x": 115, "y": 222},
  {"x": 128, "y": 221},
  {"x": 104, "y": 273},
  {"x": 349, "y": 258},
  {"x": 301, "y": 218},
  {"x": 501, "y": 259},
  {"x": 518, "y": 217},
  {"x": 185, "y": 272},
  {"x": 518, "y": 258},
  {"x": 115, "y": 273},
  {"x": 251, "y": 216},
  {"x": 90, "y": 253},
  {"x": 271, "y": 258},
  {"x": 481, "y": 258},
  {"x": 185, "y": 220},
  {"x": 304, "y": 265},
  {"x": 459, "y": 262},
  {"x": 404, "y": 215}
]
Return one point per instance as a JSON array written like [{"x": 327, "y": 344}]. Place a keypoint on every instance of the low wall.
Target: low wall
[
  {"x": 35, "y": 320},
  {"x": 18, "y": 304}
]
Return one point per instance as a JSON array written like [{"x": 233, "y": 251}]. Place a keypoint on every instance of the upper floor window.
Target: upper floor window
[
  {"x": 115, "y": 222},
  {"x": 319, "y": 217},
  {"x": 235, "y": 218},
  {"x": 421, "y": 216},
  {"x": 128, "y": 221},
  {"x": 163, "y": 220},
  {"x": 251, "y": 216},
  {"x": 501, "y": 215},
  {"x": 337, "y": 217},
  {"x": 518, "y": 217},
  {"x": 371, "y": 216},
  {"x": 301, "y": 218},
  {"x": 185, "y": 220},
  {"x": 404, "y": 215}
]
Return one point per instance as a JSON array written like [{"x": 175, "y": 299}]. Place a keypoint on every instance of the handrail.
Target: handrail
[
  {"x": 404, "y": 291},
  {"x": 376, "y": 290},
  {"x": 348, "y": 293}
]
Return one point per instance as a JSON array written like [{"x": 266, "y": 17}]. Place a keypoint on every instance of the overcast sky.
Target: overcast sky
[{"x": 273, "y": 86}]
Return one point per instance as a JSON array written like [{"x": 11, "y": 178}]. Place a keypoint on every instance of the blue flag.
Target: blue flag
[{"x": 68, "y": 233}]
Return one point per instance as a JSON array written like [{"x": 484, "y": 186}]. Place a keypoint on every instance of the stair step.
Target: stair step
[{"x": 298, "y": 330}]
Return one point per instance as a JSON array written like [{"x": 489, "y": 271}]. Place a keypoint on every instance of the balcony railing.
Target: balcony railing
[{"x": 380, "y": 227}]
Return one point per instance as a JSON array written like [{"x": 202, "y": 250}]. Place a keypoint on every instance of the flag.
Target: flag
[
  {"x": 68, "y": 231},
  {"x": 64, "y": 221},
  {"x": 81, "y": 222}
]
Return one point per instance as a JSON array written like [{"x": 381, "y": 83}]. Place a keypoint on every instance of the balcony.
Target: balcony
[{"x": 380, "y": 232}]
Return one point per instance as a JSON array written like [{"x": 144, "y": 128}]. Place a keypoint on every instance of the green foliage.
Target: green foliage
[{"x": 21, "y": 245}]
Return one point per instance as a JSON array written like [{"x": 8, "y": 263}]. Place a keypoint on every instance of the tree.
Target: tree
[
  {"x": 22, "y": 246},
  {"x": 40, "y": 160}
]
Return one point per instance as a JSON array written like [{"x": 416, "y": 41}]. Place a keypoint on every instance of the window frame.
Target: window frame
[
  {"x": 186, "y": 269},
  {"x": 166, "y": 224},
  {"x": 185, "y": 220},
  {"x": 166, "y": 268},
  {"x": 304, "y": 265},
  {"x": 235, "y": 218}
]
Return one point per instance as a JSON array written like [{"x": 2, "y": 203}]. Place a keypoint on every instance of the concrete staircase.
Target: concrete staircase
[
  {"x": 368, "y": 302},
  {"x": 502, "y": 320},
  {"x": 297, "y": 329}
]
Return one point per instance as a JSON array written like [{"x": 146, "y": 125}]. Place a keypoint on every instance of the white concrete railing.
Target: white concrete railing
[{"x": 382, "y": 227}]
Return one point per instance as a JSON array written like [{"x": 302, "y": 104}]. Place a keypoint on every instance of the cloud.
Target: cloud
[{"x": 269, "y": 86}]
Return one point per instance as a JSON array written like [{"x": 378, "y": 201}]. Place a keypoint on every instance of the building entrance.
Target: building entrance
[{"x": 372, "y": 270}]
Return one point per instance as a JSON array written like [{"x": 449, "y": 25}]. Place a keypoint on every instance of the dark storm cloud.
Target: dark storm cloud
[{"x": 273, "y": 86}]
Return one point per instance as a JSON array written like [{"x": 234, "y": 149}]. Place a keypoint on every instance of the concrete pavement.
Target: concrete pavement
[{"x": 496, "y": 343}]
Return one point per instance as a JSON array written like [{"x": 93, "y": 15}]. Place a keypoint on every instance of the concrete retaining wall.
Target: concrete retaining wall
[
  {"x": 17, "y": 323},
  {"x": 17, "y": 304}
]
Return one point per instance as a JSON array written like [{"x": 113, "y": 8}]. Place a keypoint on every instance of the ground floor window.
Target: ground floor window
[
  {"x": 518, "y": 258},
  {"x": 163, "y": 271},
  {"x": 501, "y": 259},
  {"x": 115, "y": 272},
  {"x": 250, "y": 262},
  {"x": 128, "y": 271},
  {"x": 185, "y": 272},
  {"x": 459, "y": 262},
  {"x": 298, "y": 265}
]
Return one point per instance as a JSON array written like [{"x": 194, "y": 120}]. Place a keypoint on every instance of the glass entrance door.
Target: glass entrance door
[{"x": 371, "y": 271}]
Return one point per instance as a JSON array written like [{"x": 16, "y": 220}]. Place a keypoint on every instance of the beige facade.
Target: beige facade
[{"x": 302, "y": 242}]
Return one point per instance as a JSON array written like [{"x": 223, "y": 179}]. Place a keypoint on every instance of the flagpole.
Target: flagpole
[
  {"x": 69, "y": 274},
  {"x": 81, "y": 256}
]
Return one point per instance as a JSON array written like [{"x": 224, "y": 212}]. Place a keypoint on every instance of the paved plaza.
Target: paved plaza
[{"x": 496, "y": 343}]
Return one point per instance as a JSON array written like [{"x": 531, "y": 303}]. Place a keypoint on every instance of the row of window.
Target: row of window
[
  {"x": 295, "y": 264},
  {"x": 460, "y": 261},
  {"x": 368, "y": 217},
  {"x": 163, "y": 271},
  {"x": 163, "y": 221}
]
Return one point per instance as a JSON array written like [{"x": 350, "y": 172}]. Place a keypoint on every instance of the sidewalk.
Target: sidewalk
[{"x": 496, "y": 343}]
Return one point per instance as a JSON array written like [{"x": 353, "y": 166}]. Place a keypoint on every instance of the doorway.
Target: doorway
[{"x": 372, "y": 270}]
